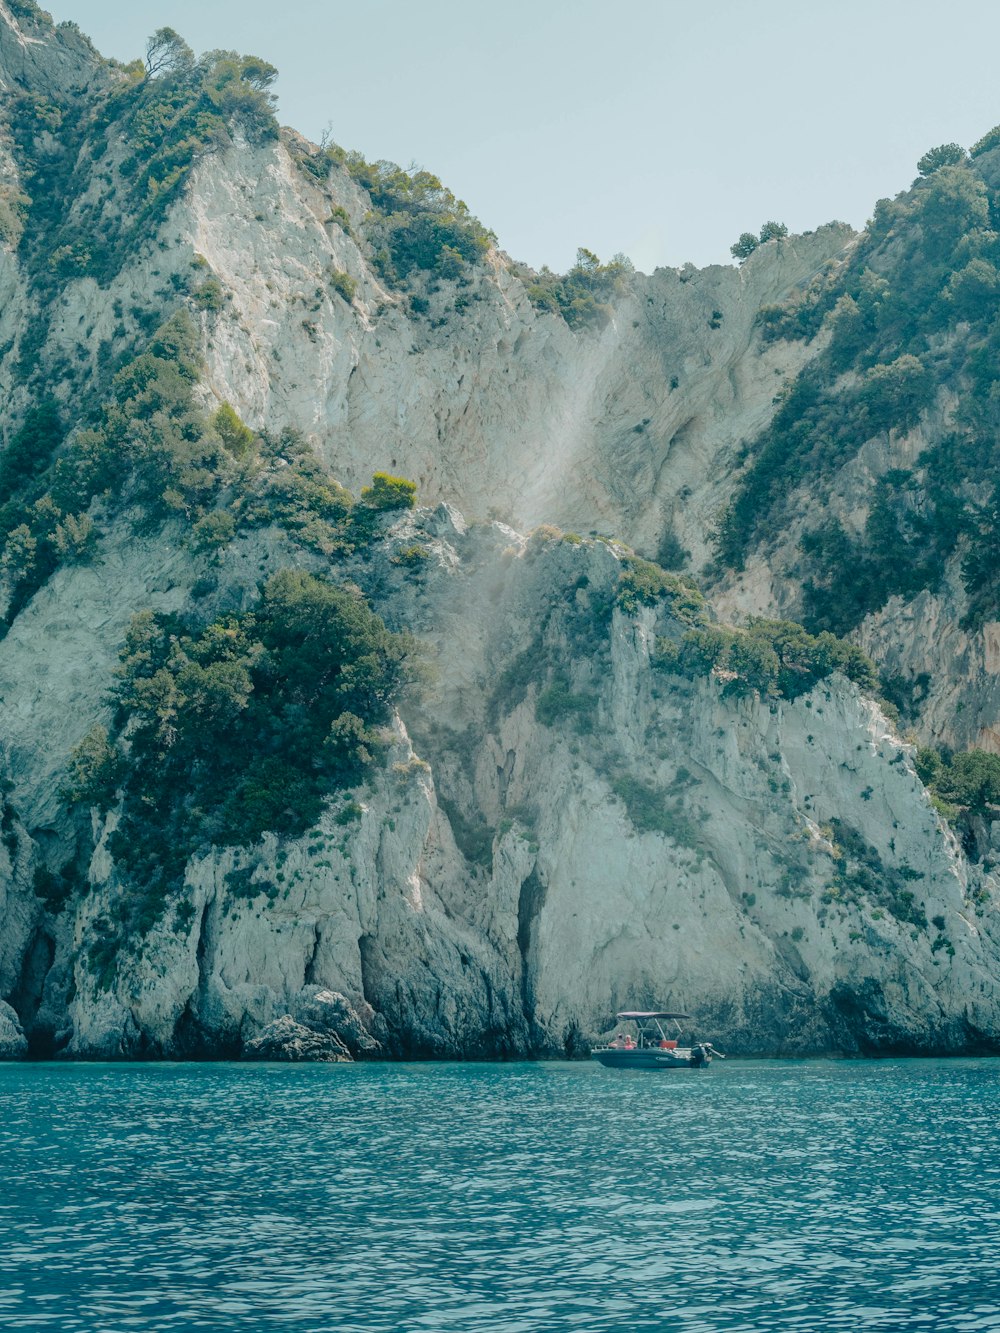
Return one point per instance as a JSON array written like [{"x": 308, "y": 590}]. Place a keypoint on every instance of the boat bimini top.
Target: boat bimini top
[{"x": 636, "y": 1014}]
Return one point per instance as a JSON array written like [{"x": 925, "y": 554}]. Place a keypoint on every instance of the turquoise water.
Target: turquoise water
[{"x": 807, "y": 1196}]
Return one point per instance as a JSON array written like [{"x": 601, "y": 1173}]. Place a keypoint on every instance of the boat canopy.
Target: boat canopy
[{"x": 638, "y": 1013}]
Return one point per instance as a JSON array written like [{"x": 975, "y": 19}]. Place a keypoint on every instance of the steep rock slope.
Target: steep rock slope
[
  {"x": 481, "y": 398},
  {"x": 775, "y": 866},
  {"x": 869, "y": 505},
  {"x": 40, "y": 58},
  {"x": 491, "y": 405},
  {"x": 568, "y": 817}
]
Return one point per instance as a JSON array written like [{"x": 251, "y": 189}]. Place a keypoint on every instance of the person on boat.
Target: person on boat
[{"x": 628, "y": 1043}]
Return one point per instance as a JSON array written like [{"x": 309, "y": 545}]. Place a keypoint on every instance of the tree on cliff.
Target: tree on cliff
[
  {"x": 167, "y": 50},
  {"x": 745, "y": 246},
  {"x": 945, "y": 155},
  {"x": 772, "y": 231},
  {"x": 748, "y": 242}
]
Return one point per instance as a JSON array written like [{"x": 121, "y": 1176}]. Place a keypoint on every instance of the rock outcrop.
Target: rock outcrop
[
  {"x": 286, "y": 1040},
  {"x": 40, "y": 58},
  {"x": 775, "y": 867},
  {"x": 484, "y": 400},
  {"x": 13, "y": 1043},
  {"x": 562, "y": 827}
]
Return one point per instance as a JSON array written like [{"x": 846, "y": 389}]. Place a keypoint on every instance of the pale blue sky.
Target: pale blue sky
[{"x": 663, "y": 128}]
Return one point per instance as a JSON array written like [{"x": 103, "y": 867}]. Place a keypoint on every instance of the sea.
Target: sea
[{"x": 753, "y": 1195}]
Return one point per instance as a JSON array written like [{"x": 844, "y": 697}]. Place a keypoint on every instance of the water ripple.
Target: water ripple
[{"x": 353, "y": 1199}]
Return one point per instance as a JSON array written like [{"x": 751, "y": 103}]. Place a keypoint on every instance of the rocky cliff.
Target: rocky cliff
[
  {"x": 573, "y": 811},
  {"x": 869, "y": 504},
  {"x": 587, "y": 831}
]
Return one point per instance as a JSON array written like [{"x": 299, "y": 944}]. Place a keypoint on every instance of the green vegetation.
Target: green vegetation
[
  {"x": 672, "y": 553},
  {"x": 170, "y": 112},
  {"x": 13, "y": 210},
  {"x": 557, "y": 704},
  {"x": 154, "y": 446},
  {"x": 344, "y": 285},
  {"x": 963, "y": 786},
  {"x": 582, "y": 296},
  {"x": 54, "y": 888},
  {"x": 244, "y": 725},
  {"x": 473, "y": 836},
  {"x": 650, "y": 811},
  {"x": 387, "y": 493},
  {"x": 208, "y": 295},
  {"x": 989, "y": 141},
  {"x": 151, "y": 447},
  {"x": 814, "y": 430},
  {"x": 416, "y": 224},
  {"x": 294, "y": 490},
  {"x": 154, "y": 450},
  {"x": 904, "y": 694},
  {"x": 33, "y": 526},
  {"x": 30, "y": 451},
  {"x": 28, "y": 9},
  {"x": 894, "y": 555},
  {"x": 862, "y": 876},
  {"x": 412, "y": 557},
  {"x": 744, "y": 246},
  {"x": 772, "y": 231},
  {"x": 946, "y": 155},
  {"x": 643, "y": 583},
  {"x": 913, "y": 309},
  {"x": 748, "y": 242},
  {"x": 775, "y": 658},
  {"x": 96, "y": 770}
]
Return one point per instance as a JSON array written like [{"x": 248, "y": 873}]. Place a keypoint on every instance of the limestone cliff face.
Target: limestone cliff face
[
  {"x": 561, "y": 828},
  {"x": 23, "y": 962},
  {"x": 934, "y": 638},
  {"x": 750, "y": 872},
  {"x": 924, "y": 638},
  {"x": 921, "y": 638},
  {"x": 482, "y": 399},
  {"x": 492, "y": 406},
  {"x": 744, "y": 908},
  {"x": 38, "y": 57}
]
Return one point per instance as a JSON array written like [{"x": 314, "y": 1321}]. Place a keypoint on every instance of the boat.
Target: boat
[{"x": 650, "y": 1047}]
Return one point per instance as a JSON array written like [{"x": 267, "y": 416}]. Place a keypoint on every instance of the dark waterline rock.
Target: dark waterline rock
[
  {"x": 286, "y": 1040},
  {"x": 13, "y": 1043}
]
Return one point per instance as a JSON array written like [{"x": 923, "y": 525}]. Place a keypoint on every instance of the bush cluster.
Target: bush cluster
[
  {"x": 416, "y": 223},
  {"x": 170, "y": 111},
  {"x": 862, "y": 876},
  {"x": 963, "y": 785},
  {"x": 558, "y": 704},
  {"x": 247, "y": 724},
  {"x": 154, "y": 448},
  {"x": 582, "y": 296},
  {"x": 651, "y": 811},
  {"x": 344, "y": 285},
  {"x": 748, "y": 242},
  {"x": 913, "y": 309},
  {"x": 643, "y": 583},
  {"x": 775, "y": 658}
]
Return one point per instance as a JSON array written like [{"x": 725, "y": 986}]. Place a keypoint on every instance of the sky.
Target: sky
[{"x": 658, "y": 128}]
